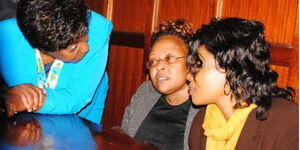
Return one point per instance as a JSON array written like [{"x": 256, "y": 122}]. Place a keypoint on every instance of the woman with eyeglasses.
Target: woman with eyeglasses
[
  {"x": 160, "y": 112},
  {"x": 230, "y": 73}
]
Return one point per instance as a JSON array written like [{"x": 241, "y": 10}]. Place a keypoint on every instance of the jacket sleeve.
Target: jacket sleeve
[
  {"x": 127, "y": 123},
  {"x": 17, "y": 57},
  {"x": 78, "y": 81}
]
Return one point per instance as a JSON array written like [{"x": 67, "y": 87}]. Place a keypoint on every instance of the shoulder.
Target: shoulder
[
  {"x": 146, "y": 93},
  {"x": 12, "y": 38},
  {"x": 283, "y": 115},
  {"x": 95, "y": 17},
  {"x": 11, "y": 35},
  {"x": 284, "y": 108},
  {"x": 9, "y": 26},
  {"x": 99, "y": 33},
  {"x": 99, "y": 24},
  {"x": 146, "y": 87}
]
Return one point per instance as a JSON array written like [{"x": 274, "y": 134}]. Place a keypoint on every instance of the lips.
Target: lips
[
  {"x": 191, "y": 89},
  {"x": 162, "y": 78}
]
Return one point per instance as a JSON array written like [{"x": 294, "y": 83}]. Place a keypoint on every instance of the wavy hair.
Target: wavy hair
[
  {"x": 240, "y": 48},
  {"x": 51, "y": 25},
  {"x": 179, "y": 27}
]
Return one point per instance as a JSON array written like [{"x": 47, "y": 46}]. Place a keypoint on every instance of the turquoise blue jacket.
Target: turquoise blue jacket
[{"x": 82, "y": 87}]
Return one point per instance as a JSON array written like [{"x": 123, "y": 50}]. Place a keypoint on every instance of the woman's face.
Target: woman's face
[
  {"x": 169, "y": 77},
  {"x": 73, "y": 53},
  {"x": 208, "y": 85}
]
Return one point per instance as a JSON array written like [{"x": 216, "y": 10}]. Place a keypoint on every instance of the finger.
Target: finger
[
  {"x": 26, "y": 102},
  {"x": 37, "y": 95},
  {"x": 42, "y": 98},
  {"x": 27, "y": 97},
  {"x": 32, "y": 96}
]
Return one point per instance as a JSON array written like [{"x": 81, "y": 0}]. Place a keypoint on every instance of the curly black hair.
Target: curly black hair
[
  {"x": 180, "y": 27},
  {"x": 240, "y": 48},
  {"x": 51, "y": 25}
]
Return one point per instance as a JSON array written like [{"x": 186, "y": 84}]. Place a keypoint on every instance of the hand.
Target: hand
[
  {"x": 25, "y": 96},
  {"x": 14, "y": 105}
]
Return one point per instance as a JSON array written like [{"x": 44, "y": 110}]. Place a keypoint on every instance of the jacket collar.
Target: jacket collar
[{"x": 250, "y": 134}]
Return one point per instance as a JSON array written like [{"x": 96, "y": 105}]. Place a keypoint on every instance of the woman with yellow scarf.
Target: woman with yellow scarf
[{"x": 246, "y": 110}]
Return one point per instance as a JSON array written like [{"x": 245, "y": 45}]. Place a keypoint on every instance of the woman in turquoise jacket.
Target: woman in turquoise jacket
[{"x": 75, "y": 84}]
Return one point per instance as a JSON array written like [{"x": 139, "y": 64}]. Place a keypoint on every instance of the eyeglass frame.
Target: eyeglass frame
[{"x": 170, "y": 61}]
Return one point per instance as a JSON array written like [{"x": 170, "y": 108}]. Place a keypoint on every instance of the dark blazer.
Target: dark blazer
[{"x": 278, "y": 132}]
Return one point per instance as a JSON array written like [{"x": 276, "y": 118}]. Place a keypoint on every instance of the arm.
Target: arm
[
  {"x": 18, "y": 66},
  {"x": 17, "y": 57},
  {"x": 145, "y": 96},
  {"x": 18, "y": 94}
]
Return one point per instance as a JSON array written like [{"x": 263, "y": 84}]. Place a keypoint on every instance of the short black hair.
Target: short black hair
[
  {"x": 51, "y": 25},
  {"x": 239, "y": 47}
]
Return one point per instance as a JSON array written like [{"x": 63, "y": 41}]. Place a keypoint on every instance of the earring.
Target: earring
[{"x": 227, "y": 89}]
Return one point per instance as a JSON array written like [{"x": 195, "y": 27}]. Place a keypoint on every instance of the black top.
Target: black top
[
  {"x": 164, "y": 126},
  {"x": 47, "y": 68}
]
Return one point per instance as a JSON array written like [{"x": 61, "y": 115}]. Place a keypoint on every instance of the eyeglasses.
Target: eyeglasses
[
  {"x": 196, "y": 65},
  {"x": 167, "y": 60}
]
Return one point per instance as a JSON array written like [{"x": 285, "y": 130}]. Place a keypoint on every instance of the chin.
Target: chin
[
  {"x": 163, "y": 89},
  {"x": 197, "y": 101}
]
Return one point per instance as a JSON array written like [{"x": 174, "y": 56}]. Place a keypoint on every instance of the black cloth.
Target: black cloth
[
  {"x": 164, "y": 126},
  {"x": 7, "y": 9}
]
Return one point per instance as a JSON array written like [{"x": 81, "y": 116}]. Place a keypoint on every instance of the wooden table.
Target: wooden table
[{"x": 62, "y": 132}]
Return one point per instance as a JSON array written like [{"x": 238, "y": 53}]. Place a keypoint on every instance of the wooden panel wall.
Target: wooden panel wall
[
  {"x": 280, "y": 18},
  {"x": 195, "y": 11},
  {"x": 126, "y": 65},
  {"x": 99, "y": 6}
]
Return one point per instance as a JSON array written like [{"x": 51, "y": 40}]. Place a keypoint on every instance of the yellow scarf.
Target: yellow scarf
[{"x": 222, "y": 134}]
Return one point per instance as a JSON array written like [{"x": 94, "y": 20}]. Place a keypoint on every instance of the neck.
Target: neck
[
  {"x": 178, "y": 97},
  {"x": 47, "y": 59},
  {"x": 226, "y": 105}
]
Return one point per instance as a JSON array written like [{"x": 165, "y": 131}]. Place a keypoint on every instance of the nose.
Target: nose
[
  {"x": 161, "y": 66},
  {"x": 85, "y": 48}
]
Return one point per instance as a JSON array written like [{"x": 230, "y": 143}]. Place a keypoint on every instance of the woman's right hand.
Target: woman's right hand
[{"x": 25, "y": 96}]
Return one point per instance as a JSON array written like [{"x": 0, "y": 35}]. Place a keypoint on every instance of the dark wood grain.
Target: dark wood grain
[{"x": 129, "y": 39}]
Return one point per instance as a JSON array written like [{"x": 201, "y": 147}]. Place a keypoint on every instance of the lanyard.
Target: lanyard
[{"x": 51, "y": 80}]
